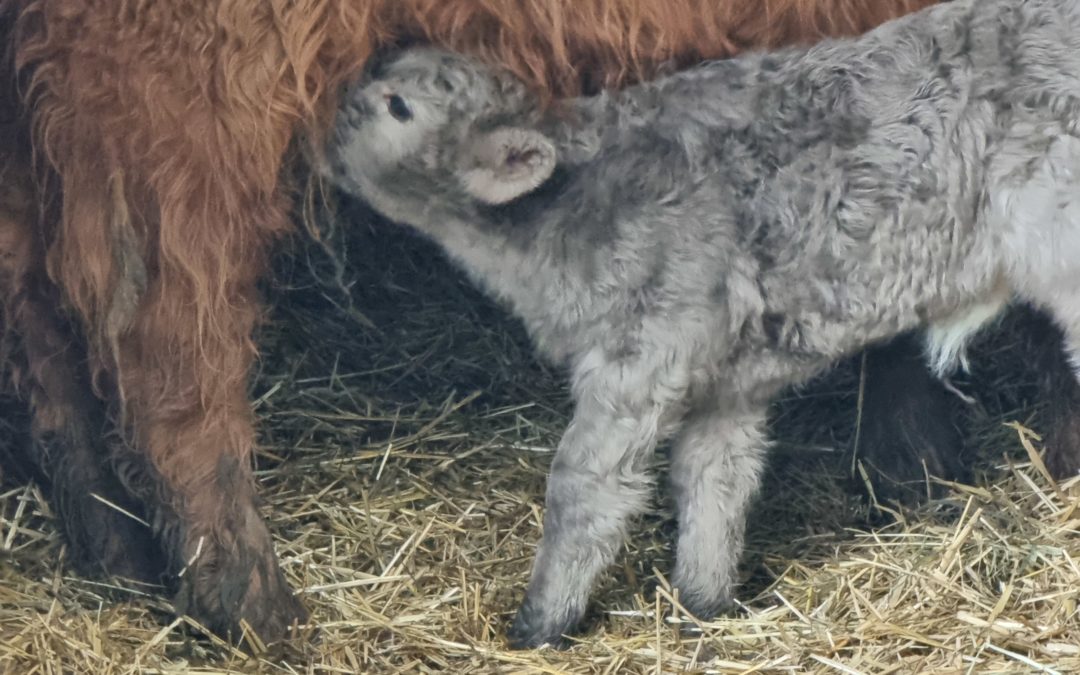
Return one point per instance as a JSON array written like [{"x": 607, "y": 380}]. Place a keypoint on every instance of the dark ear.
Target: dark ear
[{"x": 501, "y": 165}]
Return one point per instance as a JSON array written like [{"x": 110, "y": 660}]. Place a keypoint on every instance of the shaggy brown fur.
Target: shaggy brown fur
[{"x": 165, "y": 126}]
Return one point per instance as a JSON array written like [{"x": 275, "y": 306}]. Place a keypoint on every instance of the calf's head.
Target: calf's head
[{"x": 428, "y": 135}]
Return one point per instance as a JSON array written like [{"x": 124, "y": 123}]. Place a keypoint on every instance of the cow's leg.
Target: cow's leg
[
  {"x": 101, "y": 520},
  {"x": 907, "y": 432},
  {"x": 186, "y": 410},
  {"x": 1055, "y": 354},
  {"x": 170, "y": 172}
]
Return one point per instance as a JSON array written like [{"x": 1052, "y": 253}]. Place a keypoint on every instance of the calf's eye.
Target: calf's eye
[{"x": 398, "y": 109}]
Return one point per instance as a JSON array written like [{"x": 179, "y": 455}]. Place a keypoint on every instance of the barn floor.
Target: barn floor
[{"x": 403, "y": 466}]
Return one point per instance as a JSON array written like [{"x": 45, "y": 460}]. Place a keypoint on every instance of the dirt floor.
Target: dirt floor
[{"x": 406, "y": 437}]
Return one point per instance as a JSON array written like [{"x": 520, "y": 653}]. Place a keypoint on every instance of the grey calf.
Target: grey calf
[{"x": 691, "y": 246}]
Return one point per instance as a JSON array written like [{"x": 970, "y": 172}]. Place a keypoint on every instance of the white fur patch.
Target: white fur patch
[{"x": 947, "y": 341}]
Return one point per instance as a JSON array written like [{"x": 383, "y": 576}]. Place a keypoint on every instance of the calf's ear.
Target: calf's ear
[{"x": 503, "y": 164}]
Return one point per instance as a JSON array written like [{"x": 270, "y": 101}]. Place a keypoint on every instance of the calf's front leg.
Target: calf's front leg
[{"x": 599, "y": 479}]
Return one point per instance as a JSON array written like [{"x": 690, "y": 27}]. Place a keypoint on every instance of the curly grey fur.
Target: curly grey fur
[{"x": 691, "y": 246}]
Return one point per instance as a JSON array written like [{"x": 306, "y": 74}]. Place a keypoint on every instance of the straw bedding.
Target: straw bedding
[{"x": 406, "y": 434}]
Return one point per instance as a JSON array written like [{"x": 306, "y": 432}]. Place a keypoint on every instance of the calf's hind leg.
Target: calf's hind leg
[{"x": 716, "y": 466}]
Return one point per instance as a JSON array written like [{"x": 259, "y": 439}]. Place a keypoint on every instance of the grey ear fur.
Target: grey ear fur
[{"x": 505, "y": 163}]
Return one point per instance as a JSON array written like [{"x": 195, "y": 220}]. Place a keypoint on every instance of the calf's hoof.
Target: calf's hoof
[
  {"x": 705, "y": 608},
  {"x": 533, "y": 628}
]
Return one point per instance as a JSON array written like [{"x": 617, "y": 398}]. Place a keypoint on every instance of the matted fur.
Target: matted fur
[{"x": 166, "y": 126}]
